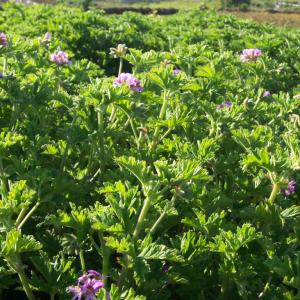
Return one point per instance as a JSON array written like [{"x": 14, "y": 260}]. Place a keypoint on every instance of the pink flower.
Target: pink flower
[
  {"x": 250, "y": 55},
  {"x": 3, "y": 39},
  {"x": 87, "y": 286},
  {"x": 267, "y": 94},
  {"x": 177, "y": 71},
  {"x": 128, "y": 79},
  {"x": 60, "y": 58},
  {"x": 47, "y": 38},
  {"x": 297, "y": 96},
  {"x": 225, "y": 104},
  {"x": 291, "y": 188}
]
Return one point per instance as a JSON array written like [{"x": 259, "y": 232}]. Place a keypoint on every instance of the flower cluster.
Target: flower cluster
[
  {"x": 267, "y": 94},
  {"x": 87, "y": 286},
  {"x": 165, "y": 268},
  {"x": 128, "y": 79},
  {"x": 297, "y": 96},
  {"x": 225, "y": 104},
  {"x": 3, "y": 39},
  {"x": 177, "y": 71},
  {"x": 250, "y": 54},
  {"x": 60, "y": 58},
  {"x": 291, "y": 188},
  {"x": 46, "y": 38},
  {"x": 119, "y": 51}
]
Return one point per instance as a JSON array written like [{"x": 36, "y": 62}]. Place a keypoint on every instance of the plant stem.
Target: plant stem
[
  {"x": 158, "y": 221},
  {"x": 130, "y": 120},
  {"x": 82, "y": 261},
  {"x": 19, "y": 267},
  {"x": 101, "y": 140},
  {"x": 52, "y": 296},
  {"x": 114, "y": 110},
  {"x": 113, "y": 114},
  {"x": 142, "y": 217},
  {"x": 24, "y": 220},
  {"x": 63, "y": 162},
  {"x": 120, "y": 66},
  {"x": 274, "y": 193},
  {"x": 95, "y": 245},
  {"x": 21, "y": 216},
  {"x": 163, "y": 215},
  {"x": 105, "y": 258},
  {"x": 4, "y": 66},
  {"x": 136, "y": 233},
  {"x": 3, "y": 181},
  {"x": 164, "y": 135},
  {"x": 161, "y": 116}
]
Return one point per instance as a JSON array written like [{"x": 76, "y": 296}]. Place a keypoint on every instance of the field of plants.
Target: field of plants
[{"x": 148, "y": 157}]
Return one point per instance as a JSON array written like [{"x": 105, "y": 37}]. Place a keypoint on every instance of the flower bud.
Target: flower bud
[{"x": 119, "y": 51}]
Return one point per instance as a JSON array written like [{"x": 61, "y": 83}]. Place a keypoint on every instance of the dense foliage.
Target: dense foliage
[{"x": 177, "y": 180}]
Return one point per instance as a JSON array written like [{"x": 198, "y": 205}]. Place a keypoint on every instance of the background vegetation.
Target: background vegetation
[{"x": 185, "y": 189}]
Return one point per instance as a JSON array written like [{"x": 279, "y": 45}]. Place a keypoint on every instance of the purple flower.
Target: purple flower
[
  {"x": 250, "y": 54},
  {"x": 128, "y": 79},
  {"x": 1, "y": 75},
  {"x": 76, "y": 291},
  {"x": 297, "y": 96},
  {"x": 225, "y": 104},
  {"x": 60, "y": 58},
  {"x": 267, "y": 94},
  {"x": 94, "y": 273},
  {"x": 291, "y": 188},
  {"x": 47, "y": 38},
  {"x": 87, "y": 286},
  {"x": 177, "y": 71},
  {"x": 107, "y": 294},
  {"x": 165, "y": 268},
  {"x": 3, "y": 39}
]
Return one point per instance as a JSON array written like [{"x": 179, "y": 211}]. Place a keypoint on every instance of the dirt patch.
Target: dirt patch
[
  {"x": 291, "y": 19},
  {"x": 142, "y": 10}
]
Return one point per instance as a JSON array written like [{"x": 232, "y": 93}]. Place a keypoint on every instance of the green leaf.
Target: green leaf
[
  {"x": 290, "y": 212},
  {"x": 136, "y": 167},
  {"x": 160, "y": 252},
  {"x": 16, "y": 243},
  {"x": 207, "y": 71}
]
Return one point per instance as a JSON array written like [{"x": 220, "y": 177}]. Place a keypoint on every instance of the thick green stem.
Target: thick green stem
[
  {"x": 52, "y": 296},
  {"x": 3, "y": 181},
  {"x": 274, "y": 193},
  {"x": 63, "y": 161},
  {"x": 18, "y": 266},
  {"x": 164, "y": 135},
  {"x": 158, "y": 221},
  {"x": 4, "y": 66},
  {"x": 136, "y": 233},
  {"x": 163, "y": 215},
  {"x": 105, "y": 258},
  {"x": 114, "y": 110},
  {"x": 82, "y": 260},
  {"x": 101, "y": 140},
  {"x": 120, "y": 66},
  {"x": 142, "y": 217},
  {"x": 21, "y": 216},
  {"x": 105, "y": 253},
  {"x": 161, "y": 116},
  {"x": 95, "y": 245},
  {"x": 24, "y": 220},
  {"x": 113, "y": 114},
  {"x": 130, "y": 121}
]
